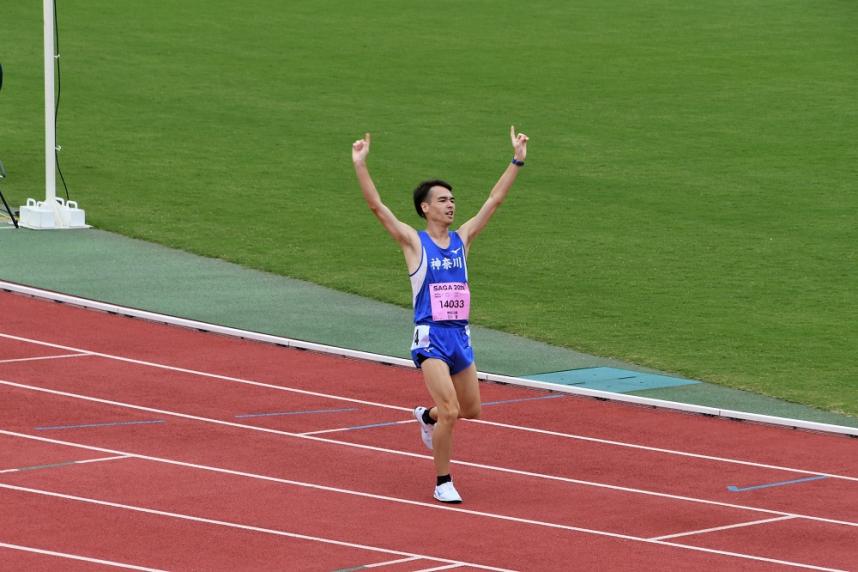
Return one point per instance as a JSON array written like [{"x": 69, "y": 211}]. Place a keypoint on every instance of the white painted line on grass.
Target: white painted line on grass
[
  {"x": 239, "y": 526},
  {"x": 726, "y": 527},
  {"x": 398, "y": 408},
  {"x": 416, "y": 455},
  {"x": 76, "y": 557}
]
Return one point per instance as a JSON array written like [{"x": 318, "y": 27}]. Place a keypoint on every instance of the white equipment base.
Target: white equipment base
[{"x": 57, "y": 215}]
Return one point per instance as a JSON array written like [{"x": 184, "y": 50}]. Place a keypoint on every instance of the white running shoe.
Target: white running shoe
[
  {"x": 425, "y": 428},
  {"x": 447, "y": 493}
]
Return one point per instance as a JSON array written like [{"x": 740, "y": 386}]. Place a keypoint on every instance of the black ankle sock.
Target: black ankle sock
[
  {"x": 443, "y": 479},
  {"x": 427, "y": 419}
]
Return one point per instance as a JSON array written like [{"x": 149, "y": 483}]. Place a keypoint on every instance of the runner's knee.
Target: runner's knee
[
  {"x": 448, "y": 412},
  {"x": 471, "y": 412}
]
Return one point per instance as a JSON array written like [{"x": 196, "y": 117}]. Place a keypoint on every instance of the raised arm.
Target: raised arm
[
  {"x": 474, "y": 226},
  {"x": 401, "y": 232}
]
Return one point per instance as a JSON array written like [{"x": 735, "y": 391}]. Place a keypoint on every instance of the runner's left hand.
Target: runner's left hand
[
  {"x": 519, "y": 143},
  {"x": 360, "y": 149}
]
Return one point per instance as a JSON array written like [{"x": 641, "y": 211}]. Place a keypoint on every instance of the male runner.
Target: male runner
[{"x": 435, "y": 257}]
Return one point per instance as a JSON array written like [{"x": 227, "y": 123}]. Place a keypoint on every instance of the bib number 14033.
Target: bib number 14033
[{"x": 450, "y": 301}]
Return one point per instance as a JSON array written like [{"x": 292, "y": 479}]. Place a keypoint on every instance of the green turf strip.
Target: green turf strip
[{"x": 689, "y": 199}]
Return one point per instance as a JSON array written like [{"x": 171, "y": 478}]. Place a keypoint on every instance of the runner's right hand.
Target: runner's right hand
[{"x": 360, "y": 149}]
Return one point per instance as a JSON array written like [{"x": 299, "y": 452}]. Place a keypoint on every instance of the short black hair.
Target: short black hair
[{"x": 422, "y": 191}]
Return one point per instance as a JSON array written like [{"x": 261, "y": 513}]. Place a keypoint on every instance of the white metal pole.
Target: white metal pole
[
  {"x": 51, "y": 214},
  {"x": 50, "y": 119}
]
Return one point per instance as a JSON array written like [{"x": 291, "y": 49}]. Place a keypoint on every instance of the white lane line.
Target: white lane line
[
  {"x": 391, "y": 562},
  {"x": 398, "y": 408},
  {"x": 447, "y": 567},
  {"x": 418, "y": 456},
  {"x": 76, "y": 557},
  {"x": 102, "y": 459},
  {"x": 62, "y": 464},
  {"x": 206, "y": 374},
  {"x": 62, "y": 356},
  {"x": 228, "y": 524},
  {"x": 356, "y": 427},
  {"x": 403, "y": 501},
  {"x": 665, "y": 451},
  {"x": 727, "y": 527}
]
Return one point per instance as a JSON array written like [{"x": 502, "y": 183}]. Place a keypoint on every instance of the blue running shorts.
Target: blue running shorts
[{"x": 450, "y": 344}]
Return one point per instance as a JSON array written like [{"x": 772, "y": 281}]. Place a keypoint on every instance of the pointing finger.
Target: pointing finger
[
  {"x": 366, "y": 138},
  {"x": 512, "y": 133}
]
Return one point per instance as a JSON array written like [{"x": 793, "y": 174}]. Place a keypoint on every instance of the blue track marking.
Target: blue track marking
[
  {"x": 522, "y": 399},
  {"x": 735, "y": 489},
  {"x": 88, "y": 425},
  {"x": 388, "y": 423},
  {"x": 307, "y": 412},
  {"x": 611, "y": 379}
]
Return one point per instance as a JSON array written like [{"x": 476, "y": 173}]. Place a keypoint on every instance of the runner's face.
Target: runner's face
[{"x": 440, "y": 205}]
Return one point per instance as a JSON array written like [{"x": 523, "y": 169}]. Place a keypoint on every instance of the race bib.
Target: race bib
[
  {"x": 450, "y": 301},
  {"x": 421, "y": 338}
]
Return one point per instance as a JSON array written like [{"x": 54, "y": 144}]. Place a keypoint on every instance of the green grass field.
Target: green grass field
[{"x": 689, "y": 201}]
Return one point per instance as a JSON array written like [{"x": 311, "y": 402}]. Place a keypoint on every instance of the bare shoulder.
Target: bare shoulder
[
  {"x": 464, "y": 233},
  {"x": 409, "y": 237},
  {"x": 412, "y": 248}
]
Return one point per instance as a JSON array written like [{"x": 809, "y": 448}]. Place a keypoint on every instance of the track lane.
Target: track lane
[
  {"x": 441, "y": 532},
  {"x": 153, "y": 541},
  {"x": 17, "y": 453},
  {"x": 32, "y": 559},
  {"x": 137, "y": 339},
  {"x": 476, "y": 443},
  {"x": 234, "y": 450},
  {"x": 763, "y": 444},
  {"x": 406, "y": 477},
  {"x": 793, "y": 542},
  {"x": 641, "y": 470}
]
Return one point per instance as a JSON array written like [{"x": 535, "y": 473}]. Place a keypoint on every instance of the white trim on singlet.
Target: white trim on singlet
[
  {"x": 419, "y": 276},
  {"x": 464, "y": 254}
]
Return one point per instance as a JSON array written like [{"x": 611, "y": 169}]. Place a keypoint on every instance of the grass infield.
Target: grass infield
[{"x": 689, "y": 201}]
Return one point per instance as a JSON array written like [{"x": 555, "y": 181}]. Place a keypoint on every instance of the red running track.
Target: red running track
[{"x": 133, "y": 444}]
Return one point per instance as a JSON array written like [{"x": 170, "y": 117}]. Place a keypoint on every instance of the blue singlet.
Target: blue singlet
[{"x": 442, "y": 274}]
